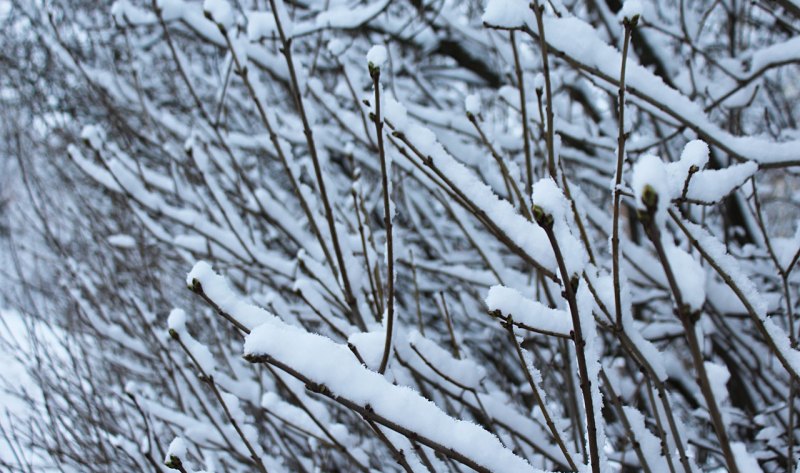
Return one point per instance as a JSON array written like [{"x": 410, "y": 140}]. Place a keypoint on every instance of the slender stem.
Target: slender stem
[
  {"x": 398, "y": 455},
  {"x": 524, "y": 109},
  {"x": 538, "y": 398},
  {"x": 538, "y": 10},
  {"x": 748, "y": 305},
  {"x": 273, "y": 136},
  {"x": 208, "y": 377},
  {"x": 416, "y": 293},
  {"x": 368, "y": 413},
  {"x": 617, "y": 401},
  {"x": 689, "y": 322},
  {"x": 361, "y": 229},
  {"x": 575, "y": 214},
  {"x": 453, "y": 341},
  {"x": 509, "y": 180},
  {"x": 787, "y": 296},
  {"x": 628, "y": 24},
  {"x": 312, "y": 150},
  {"x": 580, "y": 345},
  {"x": 375, "y": 72},
  {"x": 256, "y": 459},
  {"x": 790, "y": 426},
  {"x": 660, "y": 426}
]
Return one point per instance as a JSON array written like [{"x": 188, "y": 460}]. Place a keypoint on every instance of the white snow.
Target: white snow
[
  {"x": 336, "y": 46},
  {"x": 467, "y": 372},
  {"x": 124, "y": 13},
  {"x": 218, "y": 290},
  {"x": 718, "y": 376},
  {"x": 530, "y": 313},
  {"x": 177, "y": 449},
  {"x": 689, "y": 276},
  {"x": 744, "y": 460},
  {"x": 121, "y": 241},
  {"x": 261, "y": 25},
  {"x": 649, "y": 443},
  {"x": 94, "y": 135},
  {"x": 395, "y": 112},
  {"x": 370, "y": 346},
  {"x": 695, "y": 153},
  {"x": 177, "y": 320},
  {"x": 472, "y": 104},
  {"x": 507, "y": 13},
  {"x": 377, "y": 55},
  {"x": 220, "y": 12},
  {"x": 198, "y": 352},
  {"x": 705, "y": 185},
  {"x": 630, "y": 9},
  {"x": 549, "y": 197},
  {"x": 712, "y": 185},
  {"x": 650, "y": 176},
  {"x": 350, "y": 16},
  {"x": 331, "y": 365},
  {"x": 171, "y": 10},
  {"x": 786, "y": 51}
]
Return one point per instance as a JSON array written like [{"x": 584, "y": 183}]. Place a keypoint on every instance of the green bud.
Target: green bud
[
  {"x": 574, "y": 282},
  {"x": 649, "y": 197},
  {"x": 542, "y": 218},
  {"x": 374, "y": 71},
  {"x": 631, "y": 22},
  {"x": 195, "y": 286},
  {"x": 173, "y": 463}
]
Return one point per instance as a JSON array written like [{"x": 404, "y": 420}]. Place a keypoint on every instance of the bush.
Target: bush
[{"x": 416, "y": 235}]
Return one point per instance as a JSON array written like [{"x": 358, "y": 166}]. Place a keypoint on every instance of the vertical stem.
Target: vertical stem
[
  {"x": 507, "y": 178},
  {"x": 628, "y": 24},
  {"x": 538, "y": 398},
  {"x": 660, "y": 427},
  {"x": 580, "y": 343},
  {"x": 523, "y": 108},
  {"x": 538, "y": 10},
  {"x": 453, "y": 340},
  {"x": 689, "y": 322},
  {"x": 792, "y": 386},
  {"x": 623, "y": 418},
  {"x": 286, "y": 45},
  {"x": 784, "y": 274},
  {"x": 790, "y": 426},
  {"x": 375, "y": 72},
  {"x": 416, "y": 293},
  {"x": 366, "y": 256}
]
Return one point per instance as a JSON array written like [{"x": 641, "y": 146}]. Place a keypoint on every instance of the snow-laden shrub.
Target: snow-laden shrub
[{"x": 414, "y": 235}]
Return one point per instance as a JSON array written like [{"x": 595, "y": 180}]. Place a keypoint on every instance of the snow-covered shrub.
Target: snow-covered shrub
[{"x": 410, "y": 235}]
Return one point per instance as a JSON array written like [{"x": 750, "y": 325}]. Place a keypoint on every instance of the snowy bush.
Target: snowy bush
[{"x": 422, "y": 235}]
